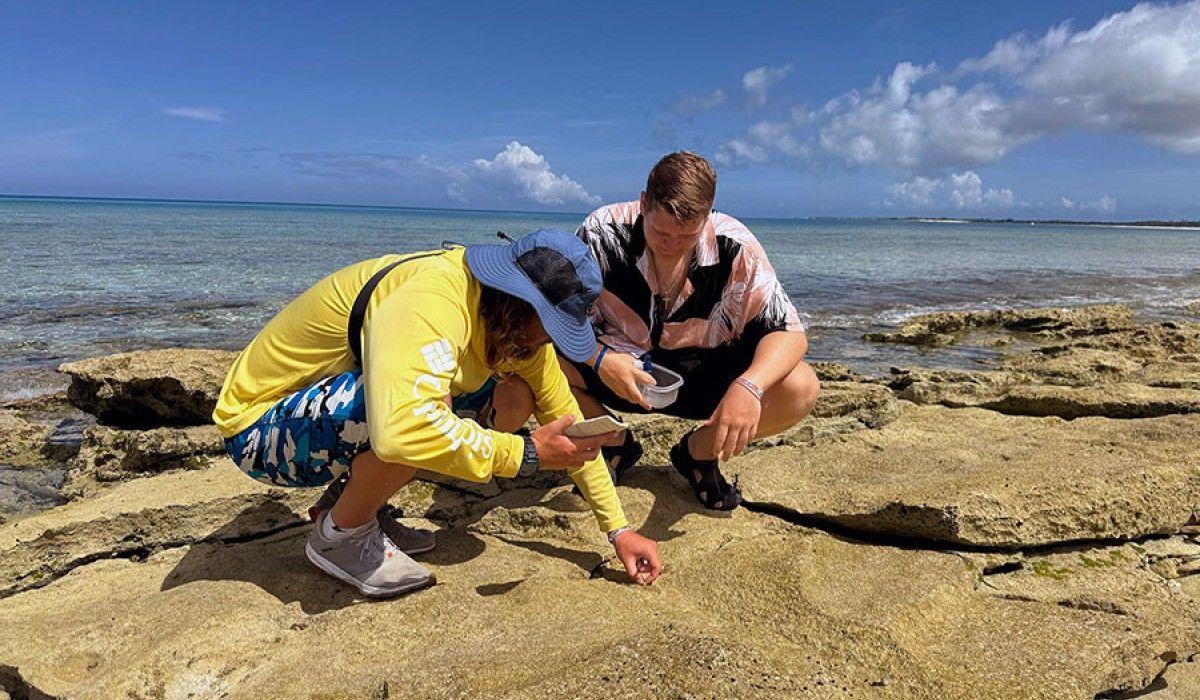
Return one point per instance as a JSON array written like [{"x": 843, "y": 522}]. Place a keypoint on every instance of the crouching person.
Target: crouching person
[
  {"x": 363, "y": 372},
  {"x": 691, "y": 289}
]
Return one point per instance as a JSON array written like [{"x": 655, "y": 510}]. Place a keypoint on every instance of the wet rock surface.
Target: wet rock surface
[
  {"x": 1140, "y": 372},
  {"x": 24, "y": 490},
  {"x": 66, "y": 424},
  {"x": 947, "y": 327},
  {"x": 1163, "y": 355},
  {"x": 24, "y": 444},
  {"x": 1026, "y": 531}
]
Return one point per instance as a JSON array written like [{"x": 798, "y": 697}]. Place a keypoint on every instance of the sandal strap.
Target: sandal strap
[
  {"x": 711, "y": 483},
  {"x": 629, "y": 452}
]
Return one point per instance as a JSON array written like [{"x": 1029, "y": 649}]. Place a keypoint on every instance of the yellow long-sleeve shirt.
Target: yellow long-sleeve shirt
[{"x": 423, "y": 339}]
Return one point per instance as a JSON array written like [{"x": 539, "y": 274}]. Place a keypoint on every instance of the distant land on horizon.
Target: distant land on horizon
[{"x": 1150, "y": 223}]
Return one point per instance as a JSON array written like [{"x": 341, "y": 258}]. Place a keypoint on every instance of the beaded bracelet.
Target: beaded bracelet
[
  {"x": 613, "y": 535},
  {"x": 750, "y": 387}
]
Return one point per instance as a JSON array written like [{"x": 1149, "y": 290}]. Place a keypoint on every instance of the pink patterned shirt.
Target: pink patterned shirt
[{"x": 731, "y": 295}]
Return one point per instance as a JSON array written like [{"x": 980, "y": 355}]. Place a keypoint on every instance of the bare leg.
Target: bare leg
[
  {"x": 512, "y": 404},
  {"x": 589, "y": 404},
  {"x": 372, "y": 483},
  {"x": 784, "y": 405}
]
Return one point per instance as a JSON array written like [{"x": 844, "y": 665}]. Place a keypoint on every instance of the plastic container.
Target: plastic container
[{"x": 667, "y": 390}]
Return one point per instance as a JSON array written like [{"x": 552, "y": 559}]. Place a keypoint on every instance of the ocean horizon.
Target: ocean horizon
[
  {"x": 1167, "y": 223},
  {"x": 89, "y": 276}
]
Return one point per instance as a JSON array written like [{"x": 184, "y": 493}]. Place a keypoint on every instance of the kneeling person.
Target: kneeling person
[
  {"x": 693, "y": 289},
  {"x": 430, "y": 331}
]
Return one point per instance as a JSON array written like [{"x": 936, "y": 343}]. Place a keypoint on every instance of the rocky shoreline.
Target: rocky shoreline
[{"x": 1027, "y": 530}]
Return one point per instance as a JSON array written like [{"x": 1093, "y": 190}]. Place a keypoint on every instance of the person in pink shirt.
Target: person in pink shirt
[{"x": 692, "y": 289}]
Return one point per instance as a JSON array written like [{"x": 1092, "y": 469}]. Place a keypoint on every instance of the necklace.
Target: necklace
[{"x": 667, "y": 296}]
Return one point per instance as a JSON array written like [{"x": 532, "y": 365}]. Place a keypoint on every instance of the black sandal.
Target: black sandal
[
  {"x": 705, "y": 478},
  {"x": 628, "y": 453}
]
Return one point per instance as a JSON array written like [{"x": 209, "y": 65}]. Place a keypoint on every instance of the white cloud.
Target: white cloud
[
  {"x": 1135, "y": 72},
  {"x": 917, "y": 192},
  {"x": 966, "y": 192},
  {"x": 961, "y": 190},
  {"x": 204, "y": 114},
  {"x": 903, "y": 130},
  {"x": 1015, "y": 54},
  {"x": 763, "y": 139},
  {"x": 694, "y": 104},
  {"x": 739, "y": 150},
  {"x": 516, "y": 176},
  {"x": 756, "y": 82},
  {"x": 1104, "y": 205},
  {"x": 527, "y": 174}
]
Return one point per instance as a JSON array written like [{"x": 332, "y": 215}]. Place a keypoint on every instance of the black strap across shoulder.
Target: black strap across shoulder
[{"x": 358, "y": 312}]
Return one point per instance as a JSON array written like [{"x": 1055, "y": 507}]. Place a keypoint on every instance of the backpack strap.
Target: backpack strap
[{"x": 358, "y": 312}]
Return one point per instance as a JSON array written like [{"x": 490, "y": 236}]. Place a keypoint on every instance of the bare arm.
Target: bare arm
[
  {"x": 736, "y": 418},
  {"x": 776, "y": 355}
]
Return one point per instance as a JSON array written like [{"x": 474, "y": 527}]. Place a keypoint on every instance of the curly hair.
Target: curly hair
[{"x": 506, "y": 320}]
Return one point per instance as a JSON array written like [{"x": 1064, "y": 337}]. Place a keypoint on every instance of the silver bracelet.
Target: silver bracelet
[
  {"x": 614, "y": 534},
  {"x": 750, "y": 387}
]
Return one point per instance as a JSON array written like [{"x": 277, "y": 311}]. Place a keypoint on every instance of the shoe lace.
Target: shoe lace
[{"x": 375, "y": 540}]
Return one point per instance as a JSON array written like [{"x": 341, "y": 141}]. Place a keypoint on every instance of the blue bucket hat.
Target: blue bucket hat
[{"x": 555, "y": 272}]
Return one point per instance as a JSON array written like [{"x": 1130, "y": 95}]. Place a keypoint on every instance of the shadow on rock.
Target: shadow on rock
[
  {"x": 264, "y": 544},
  {"x": 490, "y": 589},
  {"x": 588, "y": 561},
  {"x": 273, "y": 560},
  {"x": 460, "y": 543},
  {"x": 672, "y": 500},
  {"x": 456, "y": 546}
]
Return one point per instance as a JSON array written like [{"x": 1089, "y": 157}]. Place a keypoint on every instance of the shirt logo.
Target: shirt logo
[{"x": 439, "y": 357}]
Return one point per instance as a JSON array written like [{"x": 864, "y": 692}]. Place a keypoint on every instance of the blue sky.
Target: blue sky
[{"x": 1070, "y": 109}]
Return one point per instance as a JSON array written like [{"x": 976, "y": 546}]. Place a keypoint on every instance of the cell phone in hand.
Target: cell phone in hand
[{"x": 594, "y": 426}]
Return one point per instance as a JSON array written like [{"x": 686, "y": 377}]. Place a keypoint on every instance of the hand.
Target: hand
[
  {"x": 736, "y": 422},
  {"x": 622, "y": 373},
  {"x": 640, "y": 557},
  {"x": 557, "y": 451}
]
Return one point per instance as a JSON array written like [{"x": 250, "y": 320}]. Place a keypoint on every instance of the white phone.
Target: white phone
[{"x": 594, "y": 426}]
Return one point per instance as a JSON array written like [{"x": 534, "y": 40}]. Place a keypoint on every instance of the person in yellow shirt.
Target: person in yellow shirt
[{"x": 365, "y": 370}]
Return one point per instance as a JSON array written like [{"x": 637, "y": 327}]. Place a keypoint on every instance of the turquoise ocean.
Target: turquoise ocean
[{"x": 88, "y": 277}]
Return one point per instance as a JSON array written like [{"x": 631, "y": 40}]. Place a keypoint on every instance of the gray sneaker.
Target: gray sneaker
[
  {"x": 369, "y": 561},
  {"x": 410, "y": 540}
]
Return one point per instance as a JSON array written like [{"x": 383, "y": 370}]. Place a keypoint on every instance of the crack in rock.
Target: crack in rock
[
  {"x": 138, "y": 553},
  {"x": 845, "y": 529}
]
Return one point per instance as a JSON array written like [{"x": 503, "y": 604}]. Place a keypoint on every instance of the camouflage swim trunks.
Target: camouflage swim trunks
[{"x": 311, "y": 437}]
